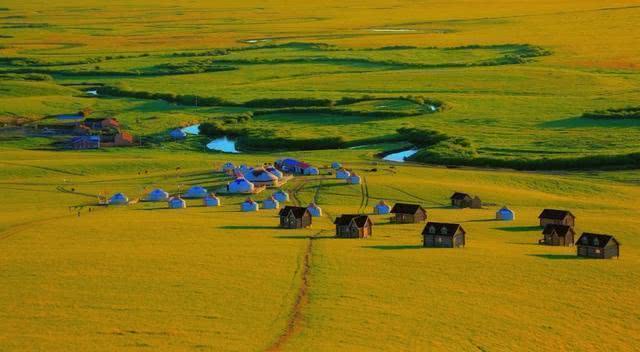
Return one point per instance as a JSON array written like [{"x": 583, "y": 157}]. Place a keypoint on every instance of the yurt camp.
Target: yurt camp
[
  {"x": 382, "y": 208},
  {"x": 281, "y": 196},
  {"x": 314, "y": 210},
  {"x": 177, "y": 203},
  {"x": 505, "y": 214},
  {"x": 270, "y": 203},
  {"x": 240, "y": 185},
  {"x": 157, "y": 195},
  {"x": 249, "y": 205},
  {"x": 211, "y": 200},
  {"x": 342, "y": 174},
  {"x": 118, "y": 199},
  {"x": 196, "y": 192}
]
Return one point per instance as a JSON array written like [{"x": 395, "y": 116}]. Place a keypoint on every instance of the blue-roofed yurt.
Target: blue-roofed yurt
[
  {"x": 505, "y": 214},
  {"x": 177, "y": 134},
  {"x": 196, "y": 192},
  {"x": 277, "y": 173},
  {"x": 311, "y": 171},
  {"x": 382, "y": 208},
  {"x": 281, "y": 196},
  {"x": 261, "y": 177},
  {"x": 157, "y": 195},
  {"x": 270, "y": 203},
  {"x": 245, "y": 169},
  {"x": 249, "y": 205},
  {"x": 118, "y": 199},
  {"x": 354, "y": 179},
  {"x": 228, "y": 167},
  {"x": 315, "y": 210},
  {"x": 240, "y": 185},
  {"x": 211, "y": 201},
  {"x": 177, "y": 203},
  {"x": 343, "y": 174},
  {"x": 336, "y": 165}
]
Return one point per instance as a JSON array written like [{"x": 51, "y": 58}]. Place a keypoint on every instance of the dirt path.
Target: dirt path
[{"x": 364, "y": 194}]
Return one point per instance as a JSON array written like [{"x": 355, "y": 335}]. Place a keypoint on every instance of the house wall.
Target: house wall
[
  {"x": 610, "y": 251},
  {"x": 569, "y": 221}
]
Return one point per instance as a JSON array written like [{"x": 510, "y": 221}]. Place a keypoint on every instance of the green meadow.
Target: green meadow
[{"x": 551, "y": 87}]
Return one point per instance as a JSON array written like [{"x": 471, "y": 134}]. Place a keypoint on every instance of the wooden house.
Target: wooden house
[
  {"x": 557, "y": 217},
  {"x": 593, "y": 245},
  {"x": 557, "y": 235},
  {"x": 463, "y": 200},
  {"x": 85, "y": 142},
  {"x": 295, "y": 217},
  {"x": 443, "y": 235},
  {"x": 353, "y": 226},
  {"x": 408, "y": 213}
]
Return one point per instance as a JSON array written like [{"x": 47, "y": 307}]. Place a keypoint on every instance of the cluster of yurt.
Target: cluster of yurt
[
  {"x": 157, "y": 195},
  {"x": 354, "y": 179},
  {"x": 211, "y": 200},
  {"x": 342, "y": 174},
  {"x": 281, "y": 196},
  {"x": 240, "y": 185},
  {"x": 177, "y": 203},
  {"x": 249, "y": 205},
  {"x": 314, "y": 210},
  {"x": 382, "y": 208},
  {"x": 270, "y": 203},
  {"x": 196, "y": 192},
  {"x": 119, "y": 199}
]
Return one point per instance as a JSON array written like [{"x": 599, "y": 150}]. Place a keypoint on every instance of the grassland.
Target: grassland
[{"x": 515, "y": 80}]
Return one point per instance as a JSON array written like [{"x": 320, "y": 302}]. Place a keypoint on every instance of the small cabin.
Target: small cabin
[
  {"x": 557, "y": 235},
  {"x": 196, "y": 192},
  {"x": 177, "y": 203},
  {"x": 353, "y": 226},
  {"x": 281, "y": 196},
  {"x": 157, "y": 195},
  {"x": 599, "y": 246},
  {"x": 85, "y": 142},
  {"x": 211, "y": 201},
  {"x": 249, "y": 205},
  {"x": 270, "y": 203},
  {"x": 118, "y": 199},
  {"x": 292, "y": 166},
  {"x": 461, "y": 200},
  {"x": 505, "y": 214},
  {"x": 557, "y": 217},
  {"x": 315, "y": 210},
  {"x": 408, "y": 213},
  {"x": 443, "y": 235},
  {"x": 382, "y": 208},
  {"x": 295, "y": 217}
]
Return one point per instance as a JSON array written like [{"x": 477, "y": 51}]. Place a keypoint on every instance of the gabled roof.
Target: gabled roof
[
  {"x": 404, "y": 208},
  {"x": 595, "y": 240},
  {"x": 360, "y": 220},
  {"x": 554, "y": 214},
  {"x": 298, "y": 212},
  {"x": 459, "y": 196},
  {"x": 450, "y": 229},
  {"x": 560, "y": 230}
]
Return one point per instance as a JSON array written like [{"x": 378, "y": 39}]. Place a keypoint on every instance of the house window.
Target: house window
[
  {"x": 443, "y": 230},
  {"x": 596, "y": 242},
  {"x": 432, "y": 230}
]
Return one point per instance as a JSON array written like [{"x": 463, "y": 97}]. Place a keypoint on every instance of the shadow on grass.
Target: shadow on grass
[
  {"x": 293, "y": 237},
  {"x": 395, "y": 247},
  {"x": 484, "y": 220},
  {"x": 519, "y": 228},
  {"x": 247, "y": 227},
  {"x": 555, "y": 256}
]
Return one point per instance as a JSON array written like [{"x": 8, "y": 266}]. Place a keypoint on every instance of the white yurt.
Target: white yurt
[
  {"x": 118, "y": 199},
  {"x": 228, "y": 166},
  {"x": 354, "y": 179},
  {"x": 315, "y": 210},
  {"x": 240, "y": 185},
  {"x": 505, "y": 214},
  {"x": 381, "y": 208},
  {"x": 270, "y": 203},
  {"x": 281, "y": 196},
  {"x": 277, "y": 173},
  {"x": 336, "y": 165},
  {"x": 157, "y": 195},
  {"x": 342, "y": 174},
  {"x": 249, "y": 205},
  {"x": 261, "y": 176},
  {"x": 311, "y": 171},
  {"x": 196, "y": 192},
  {"x": 211, "y": 201},
  {"x": 177, "y": 203}
]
